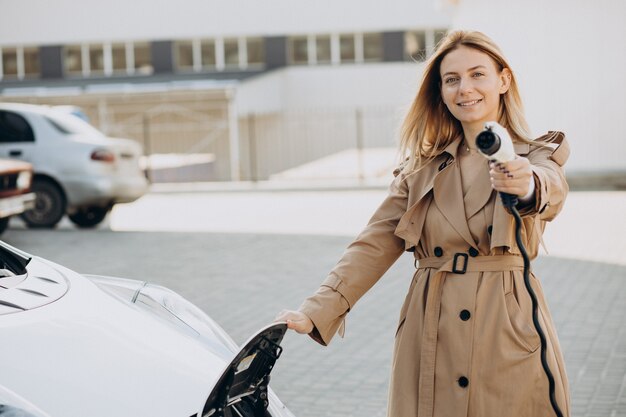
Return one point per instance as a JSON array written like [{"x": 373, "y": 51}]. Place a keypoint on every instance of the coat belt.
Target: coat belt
[{"x": 459, "y": 263}]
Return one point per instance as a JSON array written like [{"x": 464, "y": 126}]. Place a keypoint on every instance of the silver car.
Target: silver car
[{"x": 77, "y": 169}]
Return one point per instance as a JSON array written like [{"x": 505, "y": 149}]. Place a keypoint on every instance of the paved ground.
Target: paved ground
[
  {"x": 243, "y": 279},
  {"x": 584, "y": 230}
]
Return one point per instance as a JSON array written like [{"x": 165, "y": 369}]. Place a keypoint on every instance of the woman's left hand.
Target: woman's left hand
[{"x": 511, "y": 177}]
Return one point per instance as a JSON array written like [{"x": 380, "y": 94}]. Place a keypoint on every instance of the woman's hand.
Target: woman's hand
[
  {"x": 512, "y": 177},
  {"x": 296, "y": 320}
]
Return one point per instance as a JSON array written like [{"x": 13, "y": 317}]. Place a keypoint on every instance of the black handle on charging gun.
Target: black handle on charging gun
[{"x": 510, "y": 201}]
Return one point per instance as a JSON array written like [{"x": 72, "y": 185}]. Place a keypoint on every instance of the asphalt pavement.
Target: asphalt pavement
[{"x": 229, "y": 254}]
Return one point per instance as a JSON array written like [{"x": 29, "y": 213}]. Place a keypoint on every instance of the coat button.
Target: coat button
[
  {"x": 473, "y": 252},
  {"x": 465, "y": 315},
  {"x": 490, "y": 229},
  {"x": 438, "y": 252},
  {"x": 463, "y": 382}
]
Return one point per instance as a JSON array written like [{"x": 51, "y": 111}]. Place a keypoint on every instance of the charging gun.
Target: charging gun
[{"x": 495, "y": 143}]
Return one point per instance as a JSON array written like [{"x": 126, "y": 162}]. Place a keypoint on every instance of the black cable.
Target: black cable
[{"x": 510, "y": 201}]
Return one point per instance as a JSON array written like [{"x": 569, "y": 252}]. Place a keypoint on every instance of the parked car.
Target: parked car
[
  {"x": 15, "y": 195},
  {"x": 77, "y": 169},
  {"x": 83, "y": 345},
  {"x": 74, "y": 110}
]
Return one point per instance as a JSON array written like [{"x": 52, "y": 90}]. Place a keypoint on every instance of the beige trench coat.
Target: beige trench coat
[{"x": 465, "y": 343}]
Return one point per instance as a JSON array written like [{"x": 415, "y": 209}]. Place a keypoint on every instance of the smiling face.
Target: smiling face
[{"x": 471, "y": 85}]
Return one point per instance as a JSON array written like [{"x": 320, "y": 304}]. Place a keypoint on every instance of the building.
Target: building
[
  {"x": 268, "y": 86},
  {"x": 195, "y": 76}
]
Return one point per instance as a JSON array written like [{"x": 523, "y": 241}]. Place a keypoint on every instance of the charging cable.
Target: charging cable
[{"x": 496, "y": 144}]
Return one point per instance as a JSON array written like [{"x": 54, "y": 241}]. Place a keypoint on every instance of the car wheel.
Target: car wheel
[
  {"x": 89, "y": 216},
  {"x": 4, "y": 223},
  {"x": 49, "y": 205}
]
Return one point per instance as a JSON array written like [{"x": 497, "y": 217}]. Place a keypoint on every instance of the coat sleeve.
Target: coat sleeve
[
  {"x": 550, "y": 184},
  {"x": 365, "y": 260}
]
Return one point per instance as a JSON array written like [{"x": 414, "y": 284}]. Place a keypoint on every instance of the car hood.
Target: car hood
[
  {"x": 78, "y": 341},
  {"x": 12, "y": 404}
]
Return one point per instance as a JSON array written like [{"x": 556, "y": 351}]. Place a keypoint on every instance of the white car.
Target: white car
[
  {"x": 76, "y": 346},
  {"x": 77, "y": 169}
]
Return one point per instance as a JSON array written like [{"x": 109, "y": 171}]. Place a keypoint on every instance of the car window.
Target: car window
[
  {"x": 14, "y": 128},
  {"x": 58, "y": 126},
  {"x": 69, "y": 124}
]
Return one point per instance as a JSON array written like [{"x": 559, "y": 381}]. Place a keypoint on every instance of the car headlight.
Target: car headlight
[{"x": 23, "y": 180}]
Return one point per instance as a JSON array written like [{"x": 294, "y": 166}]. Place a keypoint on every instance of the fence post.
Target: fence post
[
  {"x": 147, "y": 151},
  {"x": 359, "y": 145},
  {"x": 233, "y": 135},
  {"x": 252, "y": 148}
]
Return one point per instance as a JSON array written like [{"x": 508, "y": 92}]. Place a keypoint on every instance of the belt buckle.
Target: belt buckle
[{"x": 465, "y": 256}]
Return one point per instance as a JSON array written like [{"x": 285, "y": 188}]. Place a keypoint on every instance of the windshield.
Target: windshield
[
  {"x": 70, "y": 124},
  {"x": 12, "y": 405}
]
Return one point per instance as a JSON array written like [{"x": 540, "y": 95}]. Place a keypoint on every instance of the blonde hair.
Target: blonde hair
[{"x": 429, "y": 126}]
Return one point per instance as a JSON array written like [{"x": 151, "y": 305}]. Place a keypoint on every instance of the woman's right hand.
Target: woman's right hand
[{"x": 296, "y": 320}]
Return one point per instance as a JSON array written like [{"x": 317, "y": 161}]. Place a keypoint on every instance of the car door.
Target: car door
[{"x": 17, "y": 138}]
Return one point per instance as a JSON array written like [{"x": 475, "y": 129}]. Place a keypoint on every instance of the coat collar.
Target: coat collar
[{"x": 441, "y": 177}]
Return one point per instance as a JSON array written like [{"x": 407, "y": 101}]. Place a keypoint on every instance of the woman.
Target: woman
[{"x": 465, "y": 343}]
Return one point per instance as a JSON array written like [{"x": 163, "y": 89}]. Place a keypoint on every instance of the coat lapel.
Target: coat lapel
[
  {"x": 448, "y": 194},
  {"x": 479, "y": 192}
]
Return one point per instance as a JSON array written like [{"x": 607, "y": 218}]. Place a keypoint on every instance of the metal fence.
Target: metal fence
[
  {"x": 274, "y": 145},
  {"x": 186, "y": 137}
]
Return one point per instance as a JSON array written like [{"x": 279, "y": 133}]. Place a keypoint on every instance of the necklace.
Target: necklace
[{"x": 467, "y": 149}]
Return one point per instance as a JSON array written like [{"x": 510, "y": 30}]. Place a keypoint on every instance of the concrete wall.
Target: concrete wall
[
  {"x": 323, "y": 87},
  {"x": 66, "y": 21},
  {"x": 570, "y": 58}
]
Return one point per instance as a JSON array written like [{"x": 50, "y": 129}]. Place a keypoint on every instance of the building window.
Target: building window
[
  {"x": 32, "y": 67},
  {"x": 415, "y": 46},
  {"x": 73, "y": 59},
  {"x": 298, "y": 50},
  {"x": 108, "y": 59},
  {"x": 142, "y": 58},
  {"x": 231, "y": 53},
  {"x": 96, "y": 59},
  {"x": 184, "y": 55},
  {"x": 219, "y": 54},
  {"x": 255, "y": 51},
  {"x": 19, "y": 63},
  {"x": 9, "y": 63},
  {"x": 323, "y": 49},
  {"x": 372, "y": 47},
  {"x": 347, "y": 48},
  {"x": 336, "y": 49},
  {"x": 419, "y": 45},
  {"x": 439, "y": 35},
  {"x": 207, "y": 51},
  {"x": 118, "y": 58}
]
